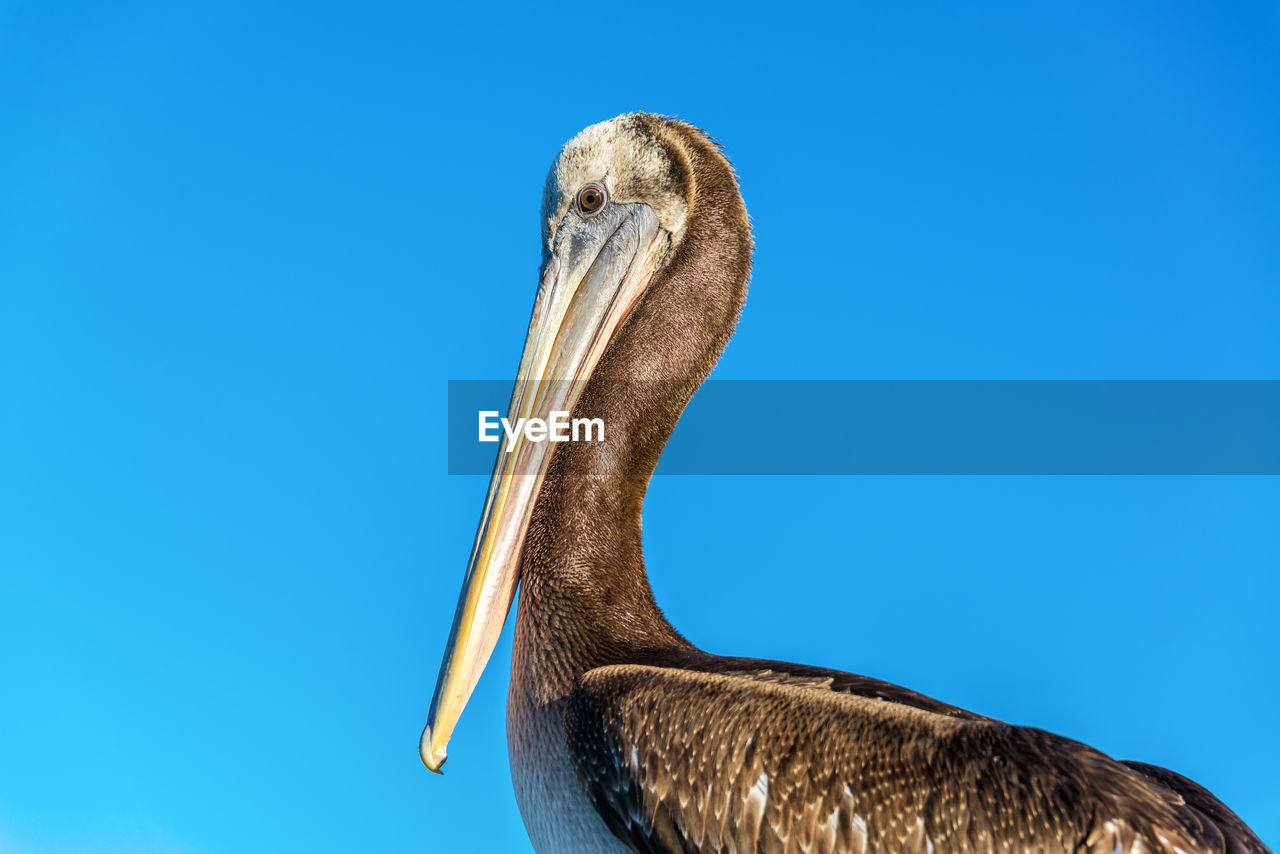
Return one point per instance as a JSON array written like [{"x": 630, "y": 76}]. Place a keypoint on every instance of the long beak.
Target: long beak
[{"x": 597, "y": 272}]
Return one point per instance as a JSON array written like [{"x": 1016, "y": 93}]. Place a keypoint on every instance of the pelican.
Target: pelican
[{"x": 622, "y": 735}]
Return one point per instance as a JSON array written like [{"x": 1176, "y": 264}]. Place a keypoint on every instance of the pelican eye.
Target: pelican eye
[{"x": 592, "y": 199}]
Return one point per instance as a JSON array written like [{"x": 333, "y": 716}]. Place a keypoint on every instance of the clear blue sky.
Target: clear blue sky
[{"x": 243, "y": 246}]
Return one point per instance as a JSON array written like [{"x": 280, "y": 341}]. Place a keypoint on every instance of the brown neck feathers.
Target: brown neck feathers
[{"x": 585, "y": 598}]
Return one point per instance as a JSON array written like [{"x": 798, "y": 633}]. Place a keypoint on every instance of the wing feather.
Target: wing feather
[{"x": 687, "y": 762}]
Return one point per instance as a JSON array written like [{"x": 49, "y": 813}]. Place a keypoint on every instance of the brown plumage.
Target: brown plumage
[
  {"x": 623, "y": 736},
  {"x": 805, "y": 768}
]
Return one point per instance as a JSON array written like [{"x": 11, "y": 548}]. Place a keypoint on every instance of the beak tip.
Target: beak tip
[{"x": 432, "y": 757}]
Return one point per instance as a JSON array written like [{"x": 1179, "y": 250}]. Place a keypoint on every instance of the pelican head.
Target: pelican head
[{"x": 619, "y": 204}]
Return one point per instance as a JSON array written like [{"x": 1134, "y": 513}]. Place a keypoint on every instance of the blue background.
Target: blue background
[{"x": 243, "y": 246}]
